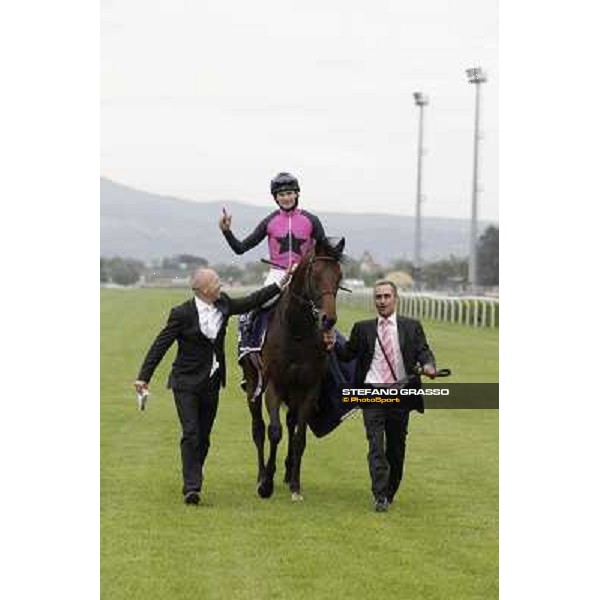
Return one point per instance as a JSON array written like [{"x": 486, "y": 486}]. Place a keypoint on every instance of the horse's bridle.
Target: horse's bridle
[{"x": 311, "y": 299}]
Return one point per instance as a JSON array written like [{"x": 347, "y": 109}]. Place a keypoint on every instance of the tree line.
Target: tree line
[{"x": 434, "y": 275}]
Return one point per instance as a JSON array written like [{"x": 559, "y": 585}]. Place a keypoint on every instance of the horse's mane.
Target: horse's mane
[{"x": 300, "y": 271}]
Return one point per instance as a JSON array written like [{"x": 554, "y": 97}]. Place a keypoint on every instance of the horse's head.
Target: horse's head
[{"x": 317, "y": 280}]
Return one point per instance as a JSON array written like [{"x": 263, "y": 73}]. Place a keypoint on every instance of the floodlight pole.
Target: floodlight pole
[
  {"x": 421, "y": 100},
  {"x": 476, "y": 76}
]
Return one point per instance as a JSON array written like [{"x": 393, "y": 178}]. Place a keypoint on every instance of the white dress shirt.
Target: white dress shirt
[
  {"x": 210, "y": 319},
  {"x": 374, "y": 376}
]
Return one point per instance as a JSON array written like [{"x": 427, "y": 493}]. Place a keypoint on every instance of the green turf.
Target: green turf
[{"x": 439, "y": 540}]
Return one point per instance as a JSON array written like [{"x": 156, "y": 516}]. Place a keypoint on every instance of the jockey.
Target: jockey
[{"x": 291, "y": 233}]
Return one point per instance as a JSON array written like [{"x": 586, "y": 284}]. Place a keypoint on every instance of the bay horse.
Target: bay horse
[{"x": 293, "y": 362}]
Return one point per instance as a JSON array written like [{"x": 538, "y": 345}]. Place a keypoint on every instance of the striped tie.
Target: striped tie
[{"x": 390, "y": 352}]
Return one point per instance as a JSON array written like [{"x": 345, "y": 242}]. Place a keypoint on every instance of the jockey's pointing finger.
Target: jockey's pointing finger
[{"x": 225, "y": 220}]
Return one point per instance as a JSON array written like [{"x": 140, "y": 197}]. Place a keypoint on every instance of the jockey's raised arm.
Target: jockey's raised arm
[{"x": 255, "y": 238}]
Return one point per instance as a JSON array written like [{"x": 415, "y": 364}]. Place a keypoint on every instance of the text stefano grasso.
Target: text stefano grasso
[{"x": 396, "y": 392}]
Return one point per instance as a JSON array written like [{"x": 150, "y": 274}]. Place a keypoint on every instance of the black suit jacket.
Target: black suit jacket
[
  {"x": 413, "y": 345},
  {"x": 194, "y": 361}
]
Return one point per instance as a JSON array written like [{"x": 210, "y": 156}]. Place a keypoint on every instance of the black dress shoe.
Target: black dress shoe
[
  {"x": 192, "y": 498},
  {"x": 381, "y": 504}
]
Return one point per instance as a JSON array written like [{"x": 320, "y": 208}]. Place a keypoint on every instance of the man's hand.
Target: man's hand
[
  {"x": 429, "y": 370},
  {"x": 288, "y": 276},
  {"x": 141, "y": 387},
  {"x": 225, "y": 221},
  {"x": 329, "y": 339}
]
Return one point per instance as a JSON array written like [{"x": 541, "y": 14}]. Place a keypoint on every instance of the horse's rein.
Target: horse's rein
[
  {"x": 312, "y": 299},
  {"x": 340, "y": 287}
]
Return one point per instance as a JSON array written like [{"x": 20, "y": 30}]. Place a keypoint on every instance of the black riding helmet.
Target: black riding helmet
[{"x": 284, "y": 182}]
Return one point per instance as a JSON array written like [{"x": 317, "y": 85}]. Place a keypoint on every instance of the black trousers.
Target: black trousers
[
  {"x": 386, "y": 428},
  {"x": 197, "y": 410}
]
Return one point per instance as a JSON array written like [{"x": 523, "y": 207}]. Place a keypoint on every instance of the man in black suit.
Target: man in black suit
[
  {"x": 387, "y": 350},
  {"x": 199, "y": 326}
]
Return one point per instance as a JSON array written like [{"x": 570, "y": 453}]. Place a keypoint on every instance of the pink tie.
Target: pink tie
[{"x": 388, "y": 346}]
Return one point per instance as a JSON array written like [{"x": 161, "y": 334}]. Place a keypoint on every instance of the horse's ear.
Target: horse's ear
[
  {"x": 339, "y": 247},
  {"x": 333, "y": 247}
]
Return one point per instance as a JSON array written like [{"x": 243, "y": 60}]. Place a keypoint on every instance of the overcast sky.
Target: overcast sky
[{"x": 208, "y": 99}]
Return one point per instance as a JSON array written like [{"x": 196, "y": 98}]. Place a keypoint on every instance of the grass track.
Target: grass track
[{"x": 439, "y": 540}]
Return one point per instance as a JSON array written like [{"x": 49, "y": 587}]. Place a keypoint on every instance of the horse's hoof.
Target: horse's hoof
[
  {"x": 297, "y": 497},
  {"x": 265, "y": 488}
]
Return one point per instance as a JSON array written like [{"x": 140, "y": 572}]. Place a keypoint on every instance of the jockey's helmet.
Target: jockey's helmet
[{"x": 284, "y": 182}]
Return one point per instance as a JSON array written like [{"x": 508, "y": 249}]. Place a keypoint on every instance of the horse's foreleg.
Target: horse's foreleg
[
  {"x": 290, "y": 420},
  {"x": 298, "y": 446},
  {"x": 265, "y": 489},
  {"x": 255, "y": 408},
  {"x": 258, "y": 434}
]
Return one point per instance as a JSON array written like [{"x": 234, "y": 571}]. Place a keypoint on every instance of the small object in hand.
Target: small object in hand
[{"x": 142, "y": 399}]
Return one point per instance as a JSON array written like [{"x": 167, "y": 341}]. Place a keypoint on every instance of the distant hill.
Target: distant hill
[{"x": 145, "y": 226}]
